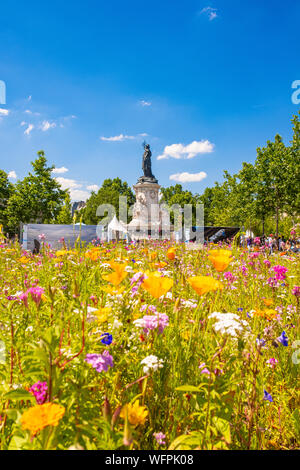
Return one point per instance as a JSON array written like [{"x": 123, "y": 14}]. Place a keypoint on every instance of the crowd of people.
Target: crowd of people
[{"x": 273, "y": 243}]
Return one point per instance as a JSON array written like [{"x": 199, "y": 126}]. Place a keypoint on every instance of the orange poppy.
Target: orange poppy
[
  {"x": 157, "y": 285},
  {"x": 204, "y": 284},
  {"x": 171, "y": 253},
  {"x": 118, "y": 275}
]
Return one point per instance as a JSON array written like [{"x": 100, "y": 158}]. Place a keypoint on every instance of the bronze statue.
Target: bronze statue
[{"x": 146, "y": 165}]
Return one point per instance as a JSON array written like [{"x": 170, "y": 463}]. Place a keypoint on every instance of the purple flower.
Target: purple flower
[
  {"x": 260, "y": 342},
  {"x": 106, "y": 339},
  {"x": 100, "y": 362},
  {"x": 283, "y": 339},
  {"x": 267, "y": 396},
  {"x": 39, "y": 390},
  {"x": 153, "y": 322},
  {"x": 159, "y": 436}
]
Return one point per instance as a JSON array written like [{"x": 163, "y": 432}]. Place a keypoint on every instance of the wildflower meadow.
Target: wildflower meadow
[{"x": 148, "y": 346}]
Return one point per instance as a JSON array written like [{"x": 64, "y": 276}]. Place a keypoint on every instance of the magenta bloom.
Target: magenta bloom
[
  {"x": 24, "y": 298},
  {"x": 229, "y": 276},
  {"x": 296, "y": 291},
  {"x": 280, "y": 272},
  {"x": 100, "y": 362},
  {"x": 39, "y": 390},
  {"x": 272, "y": 362},
  {"x": 36, "y": 294}
]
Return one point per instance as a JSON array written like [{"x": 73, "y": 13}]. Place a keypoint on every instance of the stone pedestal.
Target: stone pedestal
[{"x": 148, "y": 216}]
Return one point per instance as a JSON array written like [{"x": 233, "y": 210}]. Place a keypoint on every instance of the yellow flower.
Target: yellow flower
[
  {"x": 204, "y": 284},
  {"x": 113, "y": 291},
  {"x": 102, "y": 314},
  {"x": 23, "y": 260},
  {"x": 61, "y": 253},
  {"x": 153, "y": 255},
  {"x": 136, "y": 414},
  {"x": 118, "y": 275},
  {"x": 268, "y": 313},
  {"x": 93, "y": 254},
  {"x": 157, "y": 285},
  {"x": 161, "y": 264},
  {"x": 268, "y": 302},
  {"x": 38, "y": 417}
]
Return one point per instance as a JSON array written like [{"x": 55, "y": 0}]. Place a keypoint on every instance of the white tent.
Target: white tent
[{"x": 115, "y": 226}]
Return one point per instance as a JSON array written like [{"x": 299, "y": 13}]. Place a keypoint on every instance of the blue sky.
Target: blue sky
[{"x": 207, "y": 82}]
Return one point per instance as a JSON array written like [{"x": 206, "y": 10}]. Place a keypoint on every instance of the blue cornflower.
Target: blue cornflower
[
  {"x": 267, "y": 396},
  {"x": 106, "y": 339},
  {"x": 283, "y": 339},
  {"x": 260, "y": 341},
  {"x": 133, "y": 261},
  {"x": 240, "y": 309}
]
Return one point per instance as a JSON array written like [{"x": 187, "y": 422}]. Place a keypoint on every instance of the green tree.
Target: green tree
[
  {"x": 109, "y": 193},
  {"x": 38, "y": 198},
  {"x": 65, "y": 214},
  {"x": 6, "y": 189},
  {"x": 175, "y": 195}
]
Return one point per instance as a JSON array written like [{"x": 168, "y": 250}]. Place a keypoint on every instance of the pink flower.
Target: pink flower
[
  {"x": 24, "y": 298},
  {"x": 39, "y": 390},
  {"x": 204, "y": 368},
  {"x": 159, "y": 436},
  {"x": 36, "y": 294},
  {"x": 296, "y": 291},
  {"x": 272, "y": 362}
]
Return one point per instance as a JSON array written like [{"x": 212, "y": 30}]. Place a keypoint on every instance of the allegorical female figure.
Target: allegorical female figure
[{"x": 147, "y": 161}]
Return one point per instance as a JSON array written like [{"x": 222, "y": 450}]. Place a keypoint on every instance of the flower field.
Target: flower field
[{"x": 149, "y": 346}]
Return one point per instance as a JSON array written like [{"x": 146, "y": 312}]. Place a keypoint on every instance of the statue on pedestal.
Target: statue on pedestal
[{"x": 146, "y": 166}]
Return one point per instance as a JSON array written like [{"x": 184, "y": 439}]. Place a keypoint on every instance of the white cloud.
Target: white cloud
[
  {"x": 60, "y": 170},
  {"x": 29, "y": 129},
  {"x": 29, "y": 98},
  {"x": 188, "y": 177},
  {"x": 117, "y": 138},
  {"x": 12, "y": 174},
  {"x": 79, "y": 195},
  {"x": 46, "y": 125},
  {"x": 210, "y": 12},
  {"x": 76, "y": 193},
  {"x": 145, "y": 103},
  {"x": 93, "y": 187},
  {"x": 67, "y": 183},
  {"x": 180, "y": 151},
  {"x": 23, "y": 123},
  {"x": 144, "y": 134},
  {"x": 27, "y": 111},
  {"x": 4, "y": 112}
]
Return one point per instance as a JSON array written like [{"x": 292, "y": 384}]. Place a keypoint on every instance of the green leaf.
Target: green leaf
[
  {"x": 19, "y": 394},
  {"x": 223, "y": 427}
]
